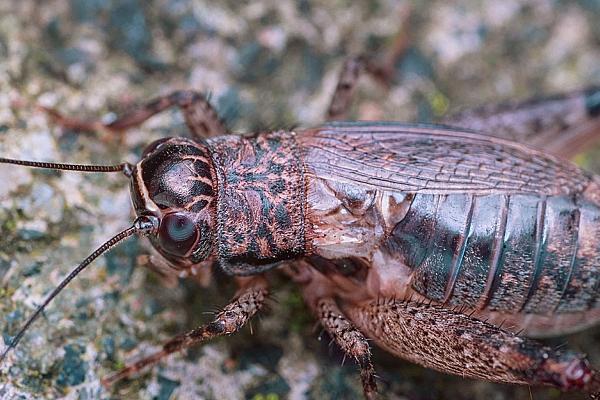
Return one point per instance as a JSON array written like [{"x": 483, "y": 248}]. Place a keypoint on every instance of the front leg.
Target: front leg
[
  {"x": 200, "y": 117},
  {"x": 455, "y": 343},
  {"x": 247, "y": 302}
]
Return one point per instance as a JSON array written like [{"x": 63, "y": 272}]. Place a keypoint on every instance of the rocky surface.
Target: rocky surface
[{"x": 267, "y": 64}]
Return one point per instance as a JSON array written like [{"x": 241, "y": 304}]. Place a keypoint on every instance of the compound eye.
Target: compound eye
[{"x": 177, "y": 234}]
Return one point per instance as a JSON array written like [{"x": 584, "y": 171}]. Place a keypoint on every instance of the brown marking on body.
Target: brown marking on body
[{"x": 261, "y": 200}]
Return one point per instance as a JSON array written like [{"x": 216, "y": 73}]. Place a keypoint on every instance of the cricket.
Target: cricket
[{"x": 451, "y": 246}]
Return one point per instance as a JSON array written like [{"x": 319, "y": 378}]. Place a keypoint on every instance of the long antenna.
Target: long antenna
[
  {"x": 123, "y": 167},
  {"x": 144, "y": 225}
]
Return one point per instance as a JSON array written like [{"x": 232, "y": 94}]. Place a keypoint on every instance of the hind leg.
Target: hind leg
[{"x": 455, "y": 343}]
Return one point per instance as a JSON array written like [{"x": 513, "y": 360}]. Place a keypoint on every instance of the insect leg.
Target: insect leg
[
  {"x": 340, "y": 101},
  {"x": 201, "y": 118},
  {"x": 455, "y": 343},
  {"x": 248, "y": 301},
  {"x": 381, "y": 70},
  {"x": 562, "y": 124},
  {"x": 350, "y": 340}
]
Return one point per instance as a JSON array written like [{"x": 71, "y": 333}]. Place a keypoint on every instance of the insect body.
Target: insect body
[
  {"x": 474, "y": 222},
  {"x": 423, "y": 238}
]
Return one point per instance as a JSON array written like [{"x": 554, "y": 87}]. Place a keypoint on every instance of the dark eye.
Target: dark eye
[{"x": 177, "y": 234}]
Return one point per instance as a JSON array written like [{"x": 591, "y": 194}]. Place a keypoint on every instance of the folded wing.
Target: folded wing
[{"x": 434, "y": 159}]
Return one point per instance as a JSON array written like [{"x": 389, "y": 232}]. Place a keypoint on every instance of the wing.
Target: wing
[{"x": 433, "y": 159}]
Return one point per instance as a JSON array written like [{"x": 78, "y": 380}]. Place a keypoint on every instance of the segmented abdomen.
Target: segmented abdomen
[{"x": 510, "y": 253}]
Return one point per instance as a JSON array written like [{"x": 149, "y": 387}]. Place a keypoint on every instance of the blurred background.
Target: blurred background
[{"x": 267, "y": 64}]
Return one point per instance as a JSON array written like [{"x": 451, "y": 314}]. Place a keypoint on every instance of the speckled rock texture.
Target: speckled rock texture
[{"x": 267, "y": 64}]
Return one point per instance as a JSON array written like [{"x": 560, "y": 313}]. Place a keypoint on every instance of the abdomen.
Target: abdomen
[{"x": 506, "y": 253}]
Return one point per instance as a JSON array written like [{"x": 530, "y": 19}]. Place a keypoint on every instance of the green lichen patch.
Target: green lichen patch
[{"x": 73, "y": 369}]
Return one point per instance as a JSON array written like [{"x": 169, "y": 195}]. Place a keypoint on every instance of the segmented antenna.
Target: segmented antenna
[
  {"x": 142, "y": 225},
  {"x": 126, "y": 168}
]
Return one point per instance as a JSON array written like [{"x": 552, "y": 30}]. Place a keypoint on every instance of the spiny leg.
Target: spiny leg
[
  {"x": 201, "y": 118},
  {"x": 455, "y": 343},
  {"x": 248, "y": 301},
  {"x": 318, "y": 293},
  {"x": 350, "y": 340}
]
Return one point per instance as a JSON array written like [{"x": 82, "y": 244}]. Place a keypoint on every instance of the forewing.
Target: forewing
[{"x": 433, "y": 159}]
